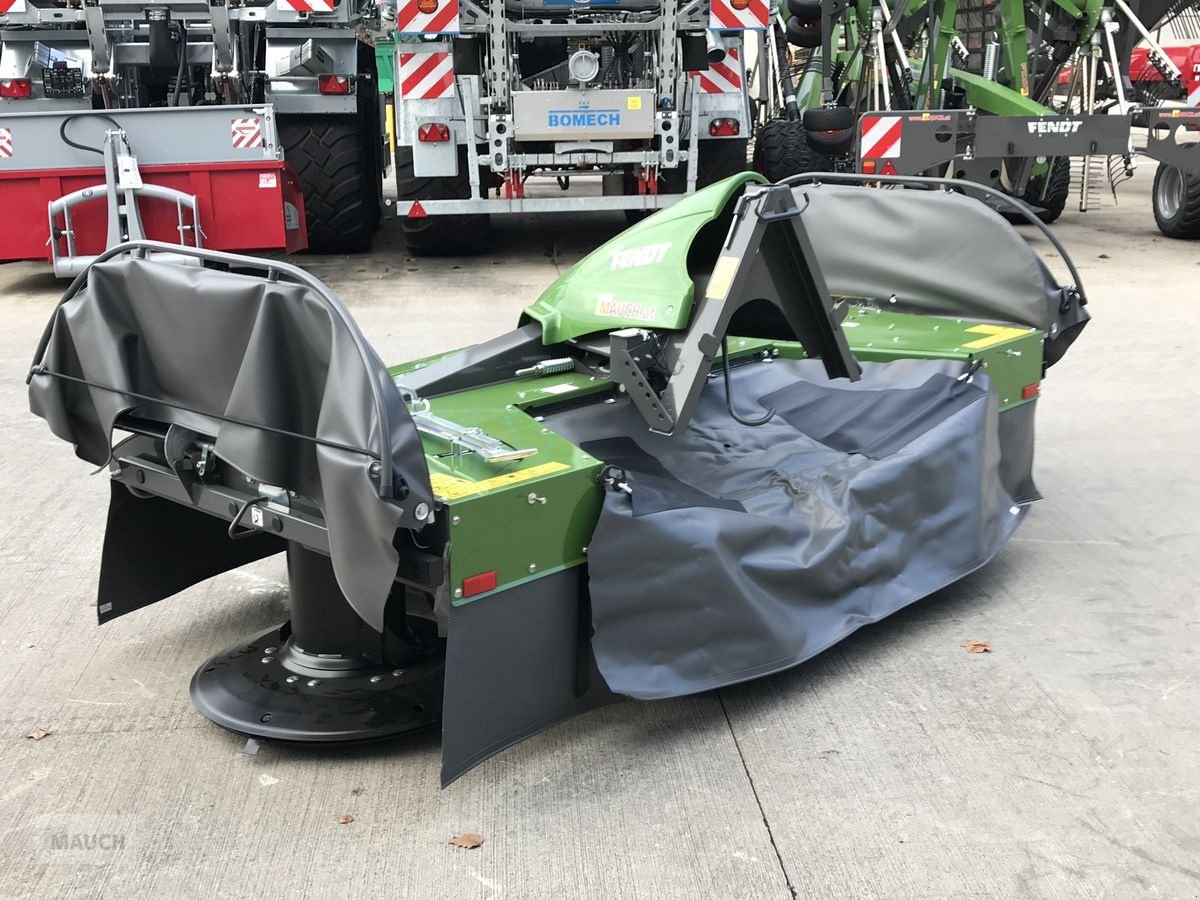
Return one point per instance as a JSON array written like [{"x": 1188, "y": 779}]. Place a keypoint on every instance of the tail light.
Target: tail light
[
  {"x": 433, "y": 133},
  {"x": 724, "y": 128},
  {"x": 16, "y": 89},
  {"x": 333, "y": 84},
  {"x": 740, "y": 4}
]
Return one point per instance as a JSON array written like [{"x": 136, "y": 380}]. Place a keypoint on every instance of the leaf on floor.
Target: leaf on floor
[
  {"x": 973, "y": 646},
  {"x": 345, "y": 820},
  {"x": 38, "y": 733},
  {"x": 468, "y": 841}
]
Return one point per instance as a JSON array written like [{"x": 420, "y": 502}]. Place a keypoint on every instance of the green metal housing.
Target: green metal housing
[{"x": 640, "y": 278}]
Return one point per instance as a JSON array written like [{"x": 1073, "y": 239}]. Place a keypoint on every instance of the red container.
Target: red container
[{"x": 244, "y": 206}]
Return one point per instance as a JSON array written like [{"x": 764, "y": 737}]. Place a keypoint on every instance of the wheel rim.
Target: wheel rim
[{"x": 1170, "y": 192}]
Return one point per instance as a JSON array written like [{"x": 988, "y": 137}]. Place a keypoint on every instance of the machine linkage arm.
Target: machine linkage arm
[{"x": 767, "y": 260}]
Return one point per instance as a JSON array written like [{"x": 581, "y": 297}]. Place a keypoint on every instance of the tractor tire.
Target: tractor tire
[
  {"x": 439, "y": 235},
  {"x": 830, "y": 130},
  {"x": 338, "y": 171},
  {"x": 1176, "y": 199},
  {"x": 805, "y": 10},
  {"x": 1055, "y": 201},
  {"x": 720, "y": 159},
  {"x": 803, "y": 34},
  {"x": 370, "y": 114},
  {"x": 781, "y": 150}
]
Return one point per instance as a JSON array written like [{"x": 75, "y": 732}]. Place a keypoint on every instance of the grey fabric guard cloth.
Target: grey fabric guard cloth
[
  {"x": 691, "y": 596},
  {"x": 972, "y": 263},
  {"x": 264, "y": 352}
]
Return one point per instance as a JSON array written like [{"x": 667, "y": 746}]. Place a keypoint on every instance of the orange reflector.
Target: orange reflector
[
  {"x": 479, "y": 584},
  {"x": 888, "y": 168},
  {"x": 427, "y": 6},
  {"x": 417, "y": 211},
  {"x": 869, "y": 166},
  {"x": 1029, "y": 391}
]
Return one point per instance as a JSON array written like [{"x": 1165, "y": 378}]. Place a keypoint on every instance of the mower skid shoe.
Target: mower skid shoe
[{"x": 517, "y": 662}]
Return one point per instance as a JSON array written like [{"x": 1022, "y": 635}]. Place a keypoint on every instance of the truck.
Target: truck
[
  {"x": 541, "y": 106},
  {"x": 232, "y": 124}
]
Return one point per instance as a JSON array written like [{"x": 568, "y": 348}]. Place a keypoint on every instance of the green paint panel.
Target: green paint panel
[
  {"x": 639, "y": 278},
  {"x": 997, "y": 99},
  {"x": 1011, "y": 355},
  {"x": 498, "y": 520}
]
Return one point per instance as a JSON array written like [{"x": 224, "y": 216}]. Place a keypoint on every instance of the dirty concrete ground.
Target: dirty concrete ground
[{"x": 1065, "y": 763}]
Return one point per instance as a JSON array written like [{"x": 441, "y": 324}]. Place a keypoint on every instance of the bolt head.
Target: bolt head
[
  {"x": 312, "y": 682},
  {"x": 457, "y": 592},
  {"x": 266, "y": 659},
  {"x": 292, "y": 679},
  {"x": 375, "y": 679},
  {"x": 421, "y": 511},
  {"x": 533, "y": 567},
  {"x": 456, "y": 520}
]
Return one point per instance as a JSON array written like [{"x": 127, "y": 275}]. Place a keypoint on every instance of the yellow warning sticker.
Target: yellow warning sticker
[
  {"x": 996, "y": 334},
  {"x": 722, "y": 278},
  {"x": 633, "y": 102},
  {"x": 450, "y": 487}
]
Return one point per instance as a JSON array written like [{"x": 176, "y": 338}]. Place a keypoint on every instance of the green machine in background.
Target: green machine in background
[
  {"x": 712, "y": 448},
  {"x": 981, "y": 73}
]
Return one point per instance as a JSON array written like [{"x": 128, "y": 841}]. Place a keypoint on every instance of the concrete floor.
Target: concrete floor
[{"x": 1066, "y": 763}]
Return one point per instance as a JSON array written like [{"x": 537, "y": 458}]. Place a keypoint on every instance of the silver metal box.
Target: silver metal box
[{"x": 582, "y": 115}]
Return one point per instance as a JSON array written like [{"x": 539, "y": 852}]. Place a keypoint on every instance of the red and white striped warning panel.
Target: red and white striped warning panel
[
  {"x": 724, "y": 77},
  {"x": 246, "y": 133},
  {"x": 737, "y": 15},
  {"x": 880, "y": 137},
  {"x": 7, "y": 6},
  {"x": 427, "y": 17},
  {"x": 300, "y": 5},
  {"x": 426, "y": 76},
  {"x": 6, "y": 150},
  {"x": 1194, "y": 97}
]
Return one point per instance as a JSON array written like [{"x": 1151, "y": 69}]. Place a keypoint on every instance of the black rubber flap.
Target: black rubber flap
[
  {"x": 517, "y": 662},
  {"x": 219, "y": 346},
  {"x": 896, "y": 495}
]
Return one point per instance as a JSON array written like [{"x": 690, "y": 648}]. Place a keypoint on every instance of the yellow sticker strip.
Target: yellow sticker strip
[
  {"x": 722, "y": 278},
  {"x": 450, "y": 487},
  {"x": 996, "y": 334}
]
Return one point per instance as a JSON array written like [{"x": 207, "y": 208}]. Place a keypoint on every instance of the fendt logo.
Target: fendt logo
[
  {"x": 632, "y": 257},
  {"x": 1042, "y": 126}
]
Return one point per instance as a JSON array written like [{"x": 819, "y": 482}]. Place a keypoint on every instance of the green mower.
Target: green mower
[{"x": 714, "y": 447}]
